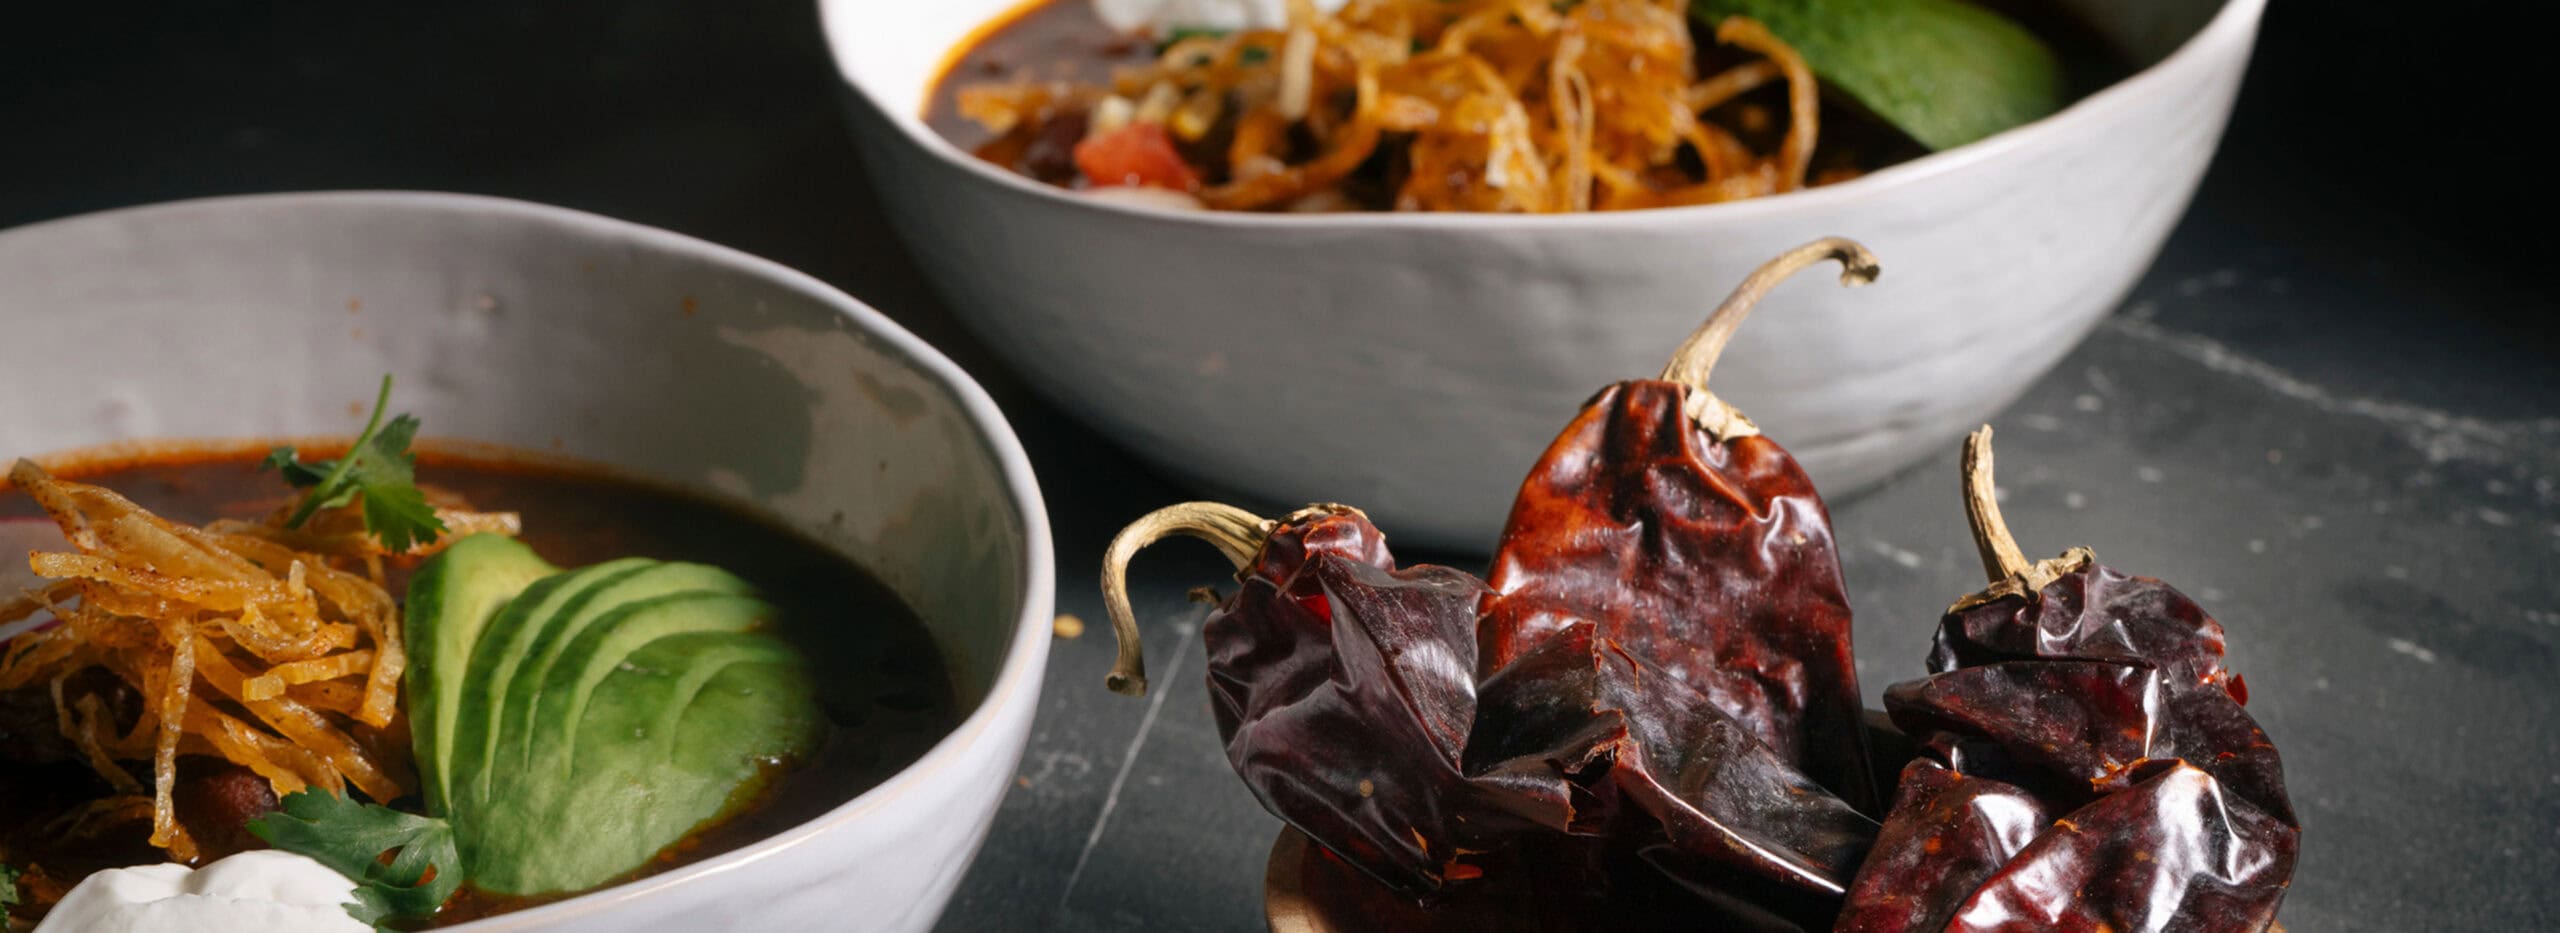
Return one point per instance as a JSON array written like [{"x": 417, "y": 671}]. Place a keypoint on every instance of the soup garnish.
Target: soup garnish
[
  {"x": 423, "y": 867},
  {"x": 1489, "y": 105},
  {"x": 587, "y": 683},
  {"x": 377, "y": 471}
]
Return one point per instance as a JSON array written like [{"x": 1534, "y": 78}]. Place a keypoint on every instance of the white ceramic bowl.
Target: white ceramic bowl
[
  {"x": 1414, "y": 365},
  {"x": 551, "y": 330}
]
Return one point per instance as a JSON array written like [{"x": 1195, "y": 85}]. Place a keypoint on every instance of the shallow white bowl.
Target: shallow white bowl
[
  {"x": 663, "y": 356},
  {"x": 1414, "y": 365}
]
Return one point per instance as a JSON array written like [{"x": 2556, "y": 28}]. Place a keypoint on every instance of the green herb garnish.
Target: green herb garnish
[
  {"x": 1946, "y": 72},
  {"x": 8, "y": 887},
  {"x": 351, "y": 838},
  {"x": 378, "y": 467}
]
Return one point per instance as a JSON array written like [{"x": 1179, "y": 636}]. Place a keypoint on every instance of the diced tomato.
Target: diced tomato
[{"x": 1137, "y": 155}]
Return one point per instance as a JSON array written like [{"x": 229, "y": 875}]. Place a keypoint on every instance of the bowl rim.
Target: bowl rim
[
  {"x": 2232, "y": 26},
  {"x": 1017, "y": 680}
]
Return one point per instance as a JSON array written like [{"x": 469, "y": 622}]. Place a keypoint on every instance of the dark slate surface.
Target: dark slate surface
[{"x": 2329, "y": 413}]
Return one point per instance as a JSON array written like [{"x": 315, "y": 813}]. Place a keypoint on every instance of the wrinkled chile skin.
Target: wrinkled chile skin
[
  {"x": 2106, "y": 695},
  {"x": 1629, "y": 752},
  {"x": 1713, "y": 561},
  {"x": 1949, "y": 833},
  {"x": 2172, "y": 853},
  {"x": 1347, "y": 695},
  {"x": 2086, "y": 723},
  {"x": 1344, "y": 689},
  {"x": 2097, "y": 613}
]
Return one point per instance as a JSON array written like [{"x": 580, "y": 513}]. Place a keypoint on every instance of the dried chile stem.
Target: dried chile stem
[
  {"x": 2001, "y": 558},
  {"x": 1236, "y": 533},
  {"x": 2003, "y": 562},
  {"x": 1691, "y": 364}
]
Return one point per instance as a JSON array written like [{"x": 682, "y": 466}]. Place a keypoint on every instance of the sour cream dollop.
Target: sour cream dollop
[
  {"x": 252, "y": 892},
  {"x": 1162, "y": 16}
]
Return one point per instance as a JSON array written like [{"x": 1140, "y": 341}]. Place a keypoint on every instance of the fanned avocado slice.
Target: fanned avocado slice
[
  {"x": 452, "y": 600},
  {"x": 674, "y": 737},
  {"x": 605, "y": 714},
  {"x": 609, "y": 642},
  {"x": 557, "y": 630},
  {"x": 502, "y": 648},
  {"x": 1946, "y": 72}
]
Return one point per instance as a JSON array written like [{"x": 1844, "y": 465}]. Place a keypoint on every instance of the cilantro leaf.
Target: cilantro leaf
[
  {"x": 283, "y": 460},
  {"x": 394, "y": 510},
  {"x": 379, "y": 467},
  {"x": 9, "y": 895},
  {"x": 425, "y": 867}
]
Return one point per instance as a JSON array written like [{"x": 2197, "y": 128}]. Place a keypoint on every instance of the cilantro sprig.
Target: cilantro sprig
[
  {"x": 379, "y": 468},
  {"x": 9, "y": 895},
  {"x": 351, "y": 838}
]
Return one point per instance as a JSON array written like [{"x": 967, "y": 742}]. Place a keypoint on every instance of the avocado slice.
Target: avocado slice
[
  {"x": 502, "y": 648},
  {"x": 607, "y": 712},
  {"x": 676, "y": 735},
  {"x": 609, "y": 643},
  {"x": 556, "y": 630},
  {"x": 451, "y": 601}
]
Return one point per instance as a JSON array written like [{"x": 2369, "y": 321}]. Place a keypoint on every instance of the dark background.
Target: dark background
[{"x": 2329, "y": 412}]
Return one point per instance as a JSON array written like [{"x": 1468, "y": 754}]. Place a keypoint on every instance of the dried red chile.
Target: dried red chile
[
  {"x": 2087, "y": 764},
  {"x": 1343, "y": 686},
  {"x": 1690, "y": 541}
]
